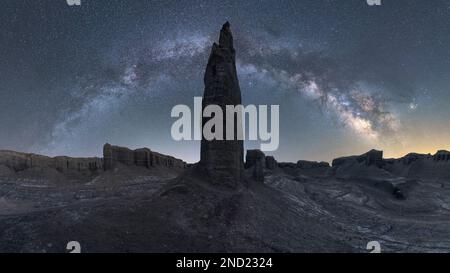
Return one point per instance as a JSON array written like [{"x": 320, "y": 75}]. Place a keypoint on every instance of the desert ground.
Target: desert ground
[{"x": 294, "y": 209}]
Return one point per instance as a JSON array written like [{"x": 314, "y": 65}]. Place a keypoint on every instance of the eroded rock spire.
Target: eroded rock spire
[
  {"x": 226, "y": 38},
  {"x": 222, "y": 159}
]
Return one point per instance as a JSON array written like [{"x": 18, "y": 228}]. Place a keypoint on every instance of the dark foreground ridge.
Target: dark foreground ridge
[{"x": 143, "y": 201}]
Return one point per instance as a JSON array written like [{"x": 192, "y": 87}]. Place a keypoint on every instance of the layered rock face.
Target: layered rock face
[
  {"x": 12, "y": 162},
  {"x": 222, "y": 159},
  {"x": 16, "y": 162},
  {"x": 140, "y": 157}
]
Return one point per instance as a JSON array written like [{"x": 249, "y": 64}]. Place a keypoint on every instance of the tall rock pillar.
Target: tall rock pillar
[{"x": 222, "y": 159}]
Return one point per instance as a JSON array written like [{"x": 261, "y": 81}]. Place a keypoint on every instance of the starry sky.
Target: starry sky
[{"x": 348, "y": 77}]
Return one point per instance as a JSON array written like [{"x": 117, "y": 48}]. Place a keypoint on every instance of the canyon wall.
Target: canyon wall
[{"x": 140, "y": 157}]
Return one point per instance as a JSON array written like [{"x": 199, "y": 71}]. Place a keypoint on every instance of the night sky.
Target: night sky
[{"x": 348, "y": 77}]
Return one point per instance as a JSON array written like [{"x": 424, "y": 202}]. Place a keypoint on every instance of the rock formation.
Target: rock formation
[
  {"x": 16, "y": 162},
  {"x": 372, "y": 157},
  {"x": 414, "y": 165},
  {"x": 271, "y": 163},
  {"x": 257, "y": 160},
  {"x": 222, "y": 159},
  {"x": 442, "y": 155},
  {"x": 303, "y": 164},
  {"x": 140, "y": 157},
  {"x": 253, "y": 157}
]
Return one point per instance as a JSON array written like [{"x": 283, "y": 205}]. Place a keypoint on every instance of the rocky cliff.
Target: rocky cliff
[
  {"x": 112, "y": 155},
  {"x": 12, "y": 162}
]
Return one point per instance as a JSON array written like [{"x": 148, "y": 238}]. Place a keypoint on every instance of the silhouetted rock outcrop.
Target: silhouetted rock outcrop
[
  {"x": 360, "y": 166},
  {"x": 414, "y": 165},
  {"x": 442, "y": 155},
  {"x": 222, "y": 159},
  {"x": 371, "y": 158},
  {"x": 411, "y": 157},
  {"x": 257, "y": 160},
  {"x": 254, "y": 156},
  {"x": 271, "y": 163}
]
